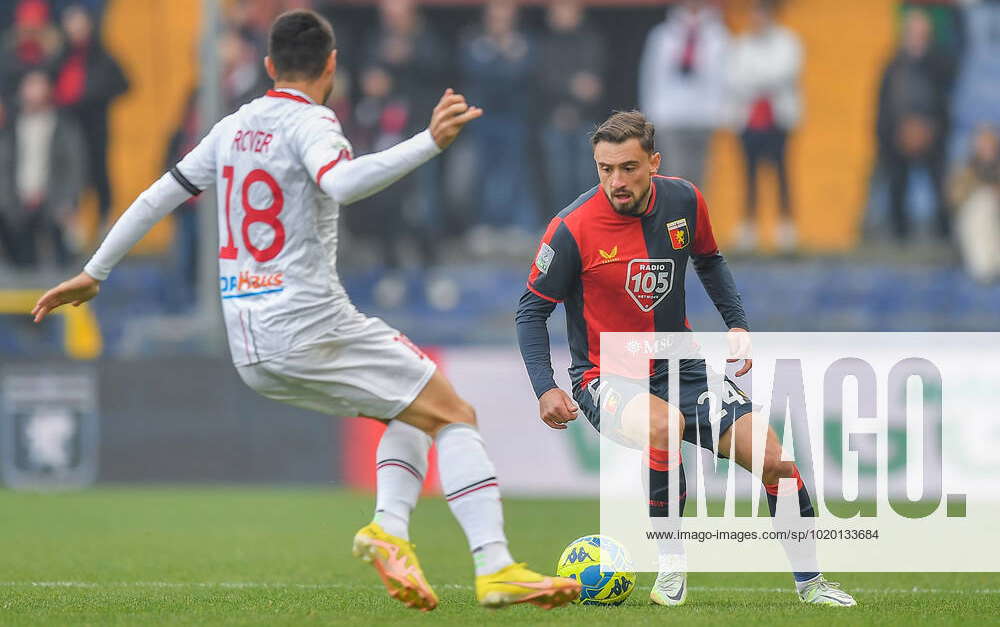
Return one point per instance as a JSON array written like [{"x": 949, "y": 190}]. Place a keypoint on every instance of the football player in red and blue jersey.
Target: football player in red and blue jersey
[{"x": 616, "y": 258}]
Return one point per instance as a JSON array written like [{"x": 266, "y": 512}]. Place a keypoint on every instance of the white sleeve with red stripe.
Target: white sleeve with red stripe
[{"x": 328, "y": 157}]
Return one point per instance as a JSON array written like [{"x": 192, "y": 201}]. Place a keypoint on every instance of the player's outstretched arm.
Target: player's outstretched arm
[
  {"x": 75, "y": 291},
  {"x": 186, "y": 179},
  {"x": 347, "y": 181},
  {"x": 158, "y": 200}
]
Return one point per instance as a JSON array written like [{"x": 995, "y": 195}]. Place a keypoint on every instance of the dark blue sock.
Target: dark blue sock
[
  {"x": 805, "y": 511},
  {"x": 661, "y": 464}
]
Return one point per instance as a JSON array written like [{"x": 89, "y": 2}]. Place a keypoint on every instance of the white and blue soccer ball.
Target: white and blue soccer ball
[{"x": 582, "y": 561}]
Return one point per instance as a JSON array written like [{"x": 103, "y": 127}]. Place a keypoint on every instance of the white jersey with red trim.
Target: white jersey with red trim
[{"x": 277, "y": 228}]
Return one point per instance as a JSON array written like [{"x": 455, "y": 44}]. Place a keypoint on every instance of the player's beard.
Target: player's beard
[{"x": 635, "y": 208}]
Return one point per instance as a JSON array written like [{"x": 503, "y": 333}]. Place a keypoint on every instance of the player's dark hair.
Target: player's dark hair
[
  {"x": 624, "y": 125},
  {"x": 299, "y": 44}
]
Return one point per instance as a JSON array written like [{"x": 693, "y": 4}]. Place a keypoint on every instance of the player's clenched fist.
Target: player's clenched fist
[
  {"x": 556, "y": 408},
  {"x": 450, "y": 115}
]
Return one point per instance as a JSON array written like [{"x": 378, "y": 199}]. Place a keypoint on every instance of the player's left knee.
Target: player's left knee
[
  {"x": 664, "y": 422},
  {"x": 666, "y": 432}
]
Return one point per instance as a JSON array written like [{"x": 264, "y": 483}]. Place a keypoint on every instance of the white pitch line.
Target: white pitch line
[
  {"x": 205, "y": 584},
  {"x": 913, "y": 590},
  {"x": 451, "y": 586}
]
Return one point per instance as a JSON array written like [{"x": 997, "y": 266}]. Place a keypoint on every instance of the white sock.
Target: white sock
[
  {"x": 672, "y": 562},
  {"x": 401, "y": 464},
  {"x": 469, "y": 483},
  {"x": 491, "y": 557},
  {"x": 672, "y": 557}
]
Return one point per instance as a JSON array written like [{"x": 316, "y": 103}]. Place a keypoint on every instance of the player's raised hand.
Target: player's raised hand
[
  {"x": 556, "y": 408},
  {"x": 75, "y": 291},
  {"x": 450, "y": 115},
  {"x": 739, "y": 348}
]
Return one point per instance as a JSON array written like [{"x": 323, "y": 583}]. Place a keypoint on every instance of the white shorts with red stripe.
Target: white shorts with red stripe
[{"x": 369, "y": 369}]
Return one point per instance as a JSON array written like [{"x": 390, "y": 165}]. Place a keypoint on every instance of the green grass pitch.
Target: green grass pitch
[{"x": 273, "y": 556}]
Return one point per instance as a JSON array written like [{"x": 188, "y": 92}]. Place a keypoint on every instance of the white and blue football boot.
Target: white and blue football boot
[{"x": 819, "y": 591}]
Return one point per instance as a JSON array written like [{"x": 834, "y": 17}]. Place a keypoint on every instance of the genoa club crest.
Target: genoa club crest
[{"x": 678, "y": 233}]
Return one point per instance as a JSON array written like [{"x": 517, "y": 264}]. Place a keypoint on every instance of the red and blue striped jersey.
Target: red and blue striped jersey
[{"x": 616, "y": 272}]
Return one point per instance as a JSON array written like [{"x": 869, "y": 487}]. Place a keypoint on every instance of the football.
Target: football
[{"x": 582, "y": 561}]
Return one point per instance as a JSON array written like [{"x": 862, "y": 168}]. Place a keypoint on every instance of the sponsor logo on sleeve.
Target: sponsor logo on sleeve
[{"x": 544, "y": 258}]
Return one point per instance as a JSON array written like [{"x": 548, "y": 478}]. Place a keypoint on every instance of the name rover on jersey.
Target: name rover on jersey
[{"x": 248, "y": 140}]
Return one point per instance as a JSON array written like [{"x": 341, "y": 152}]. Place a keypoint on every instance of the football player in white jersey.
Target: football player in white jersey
[{"x": 282, "y": 168}]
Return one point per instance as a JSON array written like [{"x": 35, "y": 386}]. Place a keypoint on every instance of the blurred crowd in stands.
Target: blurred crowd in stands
[
  {"x": 937, "y": 119},
  {"x": 543, "y": 85},
  {"x": 697, "y": 77},
  {"x": 57, "y": 84}
]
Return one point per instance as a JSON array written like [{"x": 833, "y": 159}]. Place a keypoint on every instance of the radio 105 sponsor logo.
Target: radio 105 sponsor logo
[
  {"x": 649, "y": 281},
  {"x": 247, "y": 283}
]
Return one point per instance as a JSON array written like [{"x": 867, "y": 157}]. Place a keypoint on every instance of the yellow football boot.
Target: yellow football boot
[
  {"x": 397, "y": 565},
  {"x": 517, "y": 584}
]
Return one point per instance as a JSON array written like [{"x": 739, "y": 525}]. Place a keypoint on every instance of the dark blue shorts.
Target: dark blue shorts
[{"x": 616, "y": 392}]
